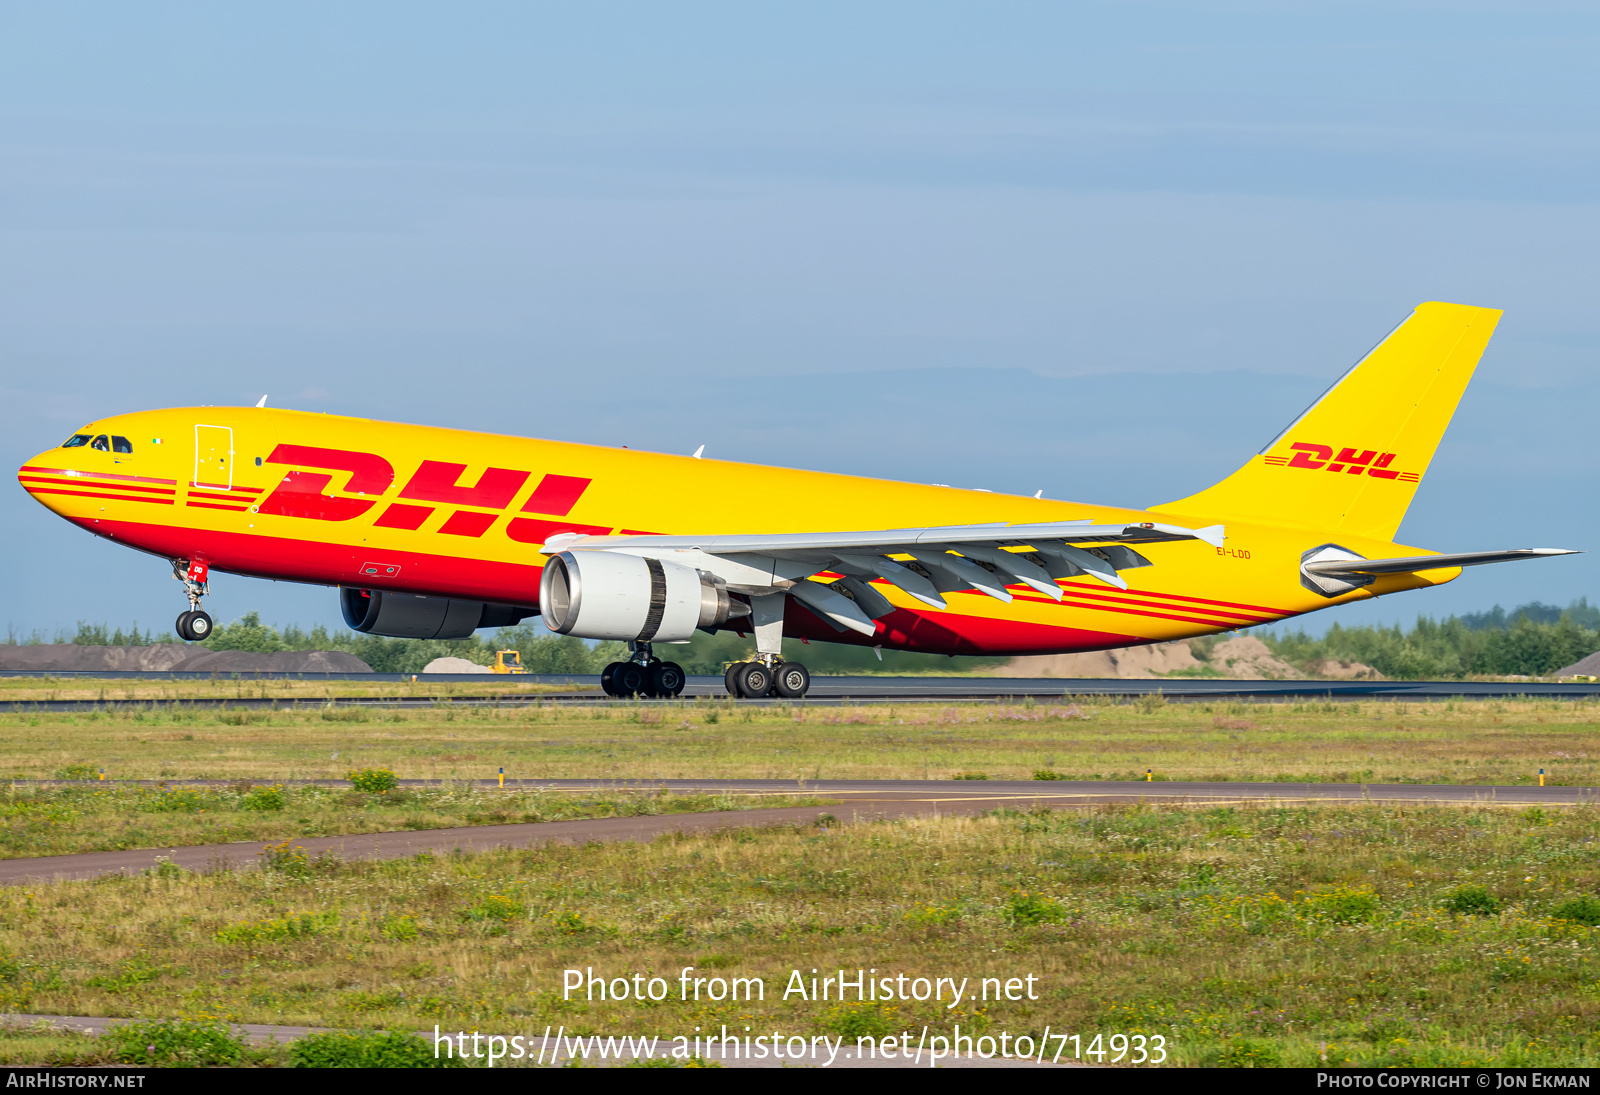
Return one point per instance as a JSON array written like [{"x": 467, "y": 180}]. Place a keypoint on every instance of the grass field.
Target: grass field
[
  {"x": 1253, "y": 935},
  {"x": 1369, "y": 935},
  {"x": 62, "y": 820},
  {"x": 1493, "y": 742}
]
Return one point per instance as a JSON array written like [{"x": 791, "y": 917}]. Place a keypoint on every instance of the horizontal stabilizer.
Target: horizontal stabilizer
[
  {"x": 1332, "y": 570},
  {"x": 1337, "y": 568}
]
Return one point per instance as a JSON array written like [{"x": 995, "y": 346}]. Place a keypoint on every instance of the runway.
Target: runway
[
  {"x": 585, "y": 690},
  {"x": 849, "y": 802}
]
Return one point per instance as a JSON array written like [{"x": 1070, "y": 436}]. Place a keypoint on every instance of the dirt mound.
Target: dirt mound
[
  {"x": 1247, "y": 658},
  {"x": 1244, "y": 657},
  {"x": 1590, "y": 667},
  {"x": 157, "y": 658},
  {"x": 455, "y": 665},
  {"x": 1131, "y": 662},
  {"x": 174, "y": 657},
  {"x": 282, "y": 661},
  {"x": 1339, "y": 670}
]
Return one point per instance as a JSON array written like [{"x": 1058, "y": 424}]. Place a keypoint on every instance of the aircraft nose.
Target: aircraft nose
[{"x": 36, "y": 475}]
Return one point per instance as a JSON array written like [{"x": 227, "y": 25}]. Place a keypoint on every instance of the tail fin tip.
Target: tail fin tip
[{"x": 1369, "y": 438}]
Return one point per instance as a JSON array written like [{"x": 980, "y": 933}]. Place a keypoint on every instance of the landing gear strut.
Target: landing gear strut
[
  {"x": 193, "y": 625},
  {"x": 643, "y": 674}
]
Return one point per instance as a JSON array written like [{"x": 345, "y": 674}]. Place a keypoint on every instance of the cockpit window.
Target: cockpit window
[
  {"x": 100, "y": 443},
  {"x": 121, "y": 444},
  {"x": 76, "y": 441}
]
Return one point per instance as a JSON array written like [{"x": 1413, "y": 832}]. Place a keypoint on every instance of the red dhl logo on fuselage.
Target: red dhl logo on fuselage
[
  {"x": 1350, "y": 461},
  {"x": 305, "y": 494}
]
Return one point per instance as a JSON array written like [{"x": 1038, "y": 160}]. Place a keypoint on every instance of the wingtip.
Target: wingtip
[{"x": 1211, "y": 534}]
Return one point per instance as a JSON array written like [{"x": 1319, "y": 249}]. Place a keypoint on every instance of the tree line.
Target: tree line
[
  {"x": 1532, "y": 640},
  {"x": 541, "y": 651}
]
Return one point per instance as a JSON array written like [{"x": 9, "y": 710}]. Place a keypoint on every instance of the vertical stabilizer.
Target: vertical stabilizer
[{"x": 1353, "y": 461}]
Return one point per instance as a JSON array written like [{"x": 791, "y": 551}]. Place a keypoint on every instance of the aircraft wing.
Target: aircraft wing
[{"x": 924, "y": 562}]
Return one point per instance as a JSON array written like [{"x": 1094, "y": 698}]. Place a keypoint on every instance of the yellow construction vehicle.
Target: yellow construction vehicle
[{"x": 507, "y": 661}]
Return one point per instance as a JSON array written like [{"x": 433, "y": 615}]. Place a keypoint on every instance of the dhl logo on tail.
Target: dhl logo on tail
[{"x": 1319, "y": 457}]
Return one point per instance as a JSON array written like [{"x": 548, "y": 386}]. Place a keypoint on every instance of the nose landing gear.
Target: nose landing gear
[{"x": 193, "y": 625}]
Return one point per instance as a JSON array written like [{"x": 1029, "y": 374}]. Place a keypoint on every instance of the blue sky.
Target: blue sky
[{"x": 1103, "y": 250}]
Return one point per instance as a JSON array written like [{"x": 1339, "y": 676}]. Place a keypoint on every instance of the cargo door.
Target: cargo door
[{"x": 213, "y": 457}]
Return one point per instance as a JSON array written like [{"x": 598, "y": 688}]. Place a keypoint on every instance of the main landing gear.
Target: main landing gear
[
  {"x": 643, "y": 675},
  {"x": 764, "y": 677},
  {"x": 767, "y": 674},
  {"x": 193, "y": 625}
]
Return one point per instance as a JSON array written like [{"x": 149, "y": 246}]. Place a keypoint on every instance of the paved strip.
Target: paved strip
[
  {"x": 830, "y": 691},
  {"x": 937, "y": 790},
  {"x": 256, "y": 1033},
  {"x": 1119, "y": 790},
  {"x": 398, "y": 845},
  {"x": 266, "y": 1034},
  {"x": 856, "y": 800}
]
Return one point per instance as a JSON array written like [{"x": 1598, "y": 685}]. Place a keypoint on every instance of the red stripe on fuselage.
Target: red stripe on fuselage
[
  {"x": 1070, "y": 603},
  {"x": 1138, "y": 599},
  {"x": 218, "y": 497},
  {"x": 98, "y": 494},
  {"x": 76, "y": 473},
  {"x": 1181, "y": 597},
  {"x": 231, "y": 490},
  {"x": 79, "y": 482}
]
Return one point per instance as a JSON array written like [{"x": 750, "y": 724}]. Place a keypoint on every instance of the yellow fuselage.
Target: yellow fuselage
[{"x": 316, "y": 498}]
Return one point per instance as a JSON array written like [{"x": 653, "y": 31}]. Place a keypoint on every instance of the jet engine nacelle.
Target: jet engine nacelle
[
  {"x": 609, "y": 595},
  {"x": 412, "y": 616}
]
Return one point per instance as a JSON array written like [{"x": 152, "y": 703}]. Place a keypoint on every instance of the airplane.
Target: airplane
[{"x": 433, "y": 533}]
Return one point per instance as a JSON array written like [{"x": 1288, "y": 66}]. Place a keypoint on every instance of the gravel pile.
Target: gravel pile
[
  {"x": 1590, "y": 667},
  {"x": 175, "y": 657},
  {"x": 455, "y": 665}
]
